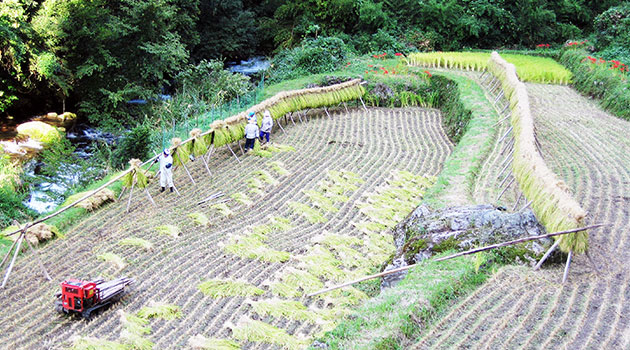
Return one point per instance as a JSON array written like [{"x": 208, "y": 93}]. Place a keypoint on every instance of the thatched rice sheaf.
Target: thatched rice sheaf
[{"x": 552, "y": 202}]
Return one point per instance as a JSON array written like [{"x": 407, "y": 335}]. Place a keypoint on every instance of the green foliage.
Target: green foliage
[
  {"x": 226, "y": 288},
  {"x": 322, "y": 54},
  {"x": 135, "y": 45},
  {"x": 135, "y": 144},
  {"x": 599, "y": 81},
  {"x": 456, "y": 115},
  {"x": 612, "y": 27}
]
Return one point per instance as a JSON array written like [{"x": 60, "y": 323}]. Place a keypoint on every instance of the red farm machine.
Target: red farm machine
[{"x": 85, "y": 297}]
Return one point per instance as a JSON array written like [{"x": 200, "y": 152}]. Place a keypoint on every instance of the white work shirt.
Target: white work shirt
[
  {"x": 267, "y": 123},
  {"x": 251, "y": 131}
]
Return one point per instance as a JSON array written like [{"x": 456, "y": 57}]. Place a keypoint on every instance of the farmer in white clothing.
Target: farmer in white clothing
[
  {"x": 166, "y": 170},
  {"x": 251, "y": 132},
  {"x": 265, "y": 128}
]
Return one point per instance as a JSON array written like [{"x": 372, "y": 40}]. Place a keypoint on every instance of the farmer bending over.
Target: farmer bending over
[
  {"x": 265, "y": 128},
  {"x": 251, "y": 132},
  {"x": 166, "y": 170}
]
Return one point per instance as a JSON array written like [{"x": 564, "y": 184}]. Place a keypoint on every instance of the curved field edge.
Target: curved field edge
[{"x": 394, "y": 318}]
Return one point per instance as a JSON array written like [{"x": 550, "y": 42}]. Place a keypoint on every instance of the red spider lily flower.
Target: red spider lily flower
[
  {"x": 375, "y": 56},
  {"x": 384, "y": 53},
  {"x": 370, "y": 65},
  {"x": 398, "y": 54},
  {"x": 367, "y": 71},
  {"x": 601, "y": 60},
  {"x": 428, "y": 73},
  {"x": 382, "y": 68}
]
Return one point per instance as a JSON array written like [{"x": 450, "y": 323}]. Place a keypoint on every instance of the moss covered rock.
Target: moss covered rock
[{"x": 40, "y": 131}]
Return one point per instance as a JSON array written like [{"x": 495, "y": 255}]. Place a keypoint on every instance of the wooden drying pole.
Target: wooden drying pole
[
  {"x": 185, "y": 168},
  {"x": 468, "y": 252},
  {"x": 17, "y": 245}
]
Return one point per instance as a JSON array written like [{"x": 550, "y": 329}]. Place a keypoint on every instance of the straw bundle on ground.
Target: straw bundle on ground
[
  {"x": 135, "y": 175},
  {"x": 552, "y": 203},
  {"x": 94, "y": 201}
]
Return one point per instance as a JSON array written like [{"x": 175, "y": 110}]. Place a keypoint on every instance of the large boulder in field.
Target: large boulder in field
[{"x": 40, "y": 131}]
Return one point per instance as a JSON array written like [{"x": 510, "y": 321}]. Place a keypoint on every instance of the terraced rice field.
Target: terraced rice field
[
  {"x": 522, "y": 309},
  {"x": 362, "y": 153}
]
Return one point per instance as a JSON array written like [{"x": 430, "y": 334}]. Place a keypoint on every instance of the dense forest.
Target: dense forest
[{"x": 91, "y": 56}]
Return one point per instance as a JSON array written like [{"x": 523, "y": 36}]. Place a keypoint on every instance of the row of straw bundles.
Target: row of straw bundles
[
  {"x": 551, "y": 200},
  {"x": 233, "y": 128},
  {"x": 476, "y": 61}
]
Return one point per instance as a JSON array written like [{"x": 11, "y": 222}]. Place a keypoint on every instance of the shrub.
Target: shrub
[
  {"x": 135, "y": 144},
  {"x": 318, "y": 55},
  {"x": 597, "y": 79}
]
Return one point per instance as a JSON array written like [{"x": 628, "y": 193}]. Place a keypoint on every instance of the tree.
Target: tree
[{"x": 114, "y": 51}]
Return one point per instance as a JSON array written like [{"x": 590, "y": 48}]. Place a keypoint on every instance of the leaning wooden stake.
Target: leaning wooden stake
[
  {"x": 150, "y": 198},
  {"x": 363, "y": 103},
  {"x": 506, "y": 134},
  {"x": 505, "y": 189},
  {"x": 205, "y": 163},
  {"x": 6, "y": 257},
  {"x": 518, "y": 200},
  {"x": 567, "y": 266},
  {"x": 468, "y": 252},
  {"x": 281, "y": 128},
  {"x": 234, "y": 154},
  {"x": 186, "y": 168},
  {"x": 121, "y": 192},
  {"x": 39, "y": 260},
  {"x": 130, "y": 195},
  {"x": 326, "y": 110},
  {"x": 240, "y": 147},
  {"x": 17, "y": 249},
  {"x": 549, "y": 251}
]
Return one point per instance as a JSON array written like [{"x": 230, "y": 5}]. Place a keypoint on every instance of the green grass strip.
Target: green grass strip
[{"x": 260, "y": 332}]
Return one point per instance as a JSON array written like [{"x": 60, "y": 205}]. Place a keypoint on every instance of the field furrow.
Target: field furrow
[{"x": 370, "y": 144}]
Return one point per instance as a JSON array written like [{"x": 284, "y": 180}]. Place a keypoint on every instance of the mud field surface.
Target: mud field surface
[
  {"x": 521, "y": 309},
  {"x": 261, "y": 240}
]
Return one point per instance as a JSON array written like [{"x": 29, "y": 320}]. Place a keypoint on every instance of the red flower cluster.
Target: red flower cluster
[
  {"x": 428, "y": 73},
  {"x": 576, "y": 43},
  {"x": 614, "y": 63},
  {"x": 398, "y": 54},
  {"x": 543, "y": 46},
  {"x": 381, "y": 55}
]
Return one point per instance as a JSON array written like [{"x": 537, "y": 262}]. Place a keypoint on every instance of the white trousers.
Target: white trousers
[{"x": 166, "y": 178}]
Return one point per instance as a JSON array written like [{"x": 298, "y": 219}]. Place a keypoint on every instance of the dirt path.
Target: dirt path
[
  {"x": 371, "y": 144},
  {"x": 590, "y": 150}
]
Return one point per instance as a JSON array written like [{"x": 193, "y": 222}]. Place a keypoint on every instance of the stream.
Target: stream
[{"x": 47, "y": 192}]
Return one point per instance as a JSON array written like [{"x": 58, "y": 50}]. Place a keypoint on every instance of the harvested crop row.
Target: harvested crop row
[
  {"x": 363, "y": 143},
  {"x": 590, "y": 150}
]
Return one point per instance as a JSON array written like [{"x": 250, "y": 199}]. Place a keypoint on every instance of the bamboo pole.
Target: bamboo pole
[
  {"x": 130, "y": 195},
  {"x": 6, "y": 257},
  {"x": 17, "y": 249},
  {"x": 39, "y": 260},
  {"x": 240, "y": 147},
  {"x": 363, "y": 103},
  {"x": 150, "y": 198},
  {"x": 234, "y": 154},
  {"x": 185, "y": 168},
  {"x": 468, "y": 252},
  {"x": 505, "y": 189},
  {"x": 281, "y": 128},
  {"x": 547, "y": 253},
  {"x": 506, "y": 134},
  {"x": 205, "y": 163},
  {"x": 518, "y": 200},
  {"x": 567, "y": 267},
  {"x": 326, "y": 110},
  {"x": 526, "y": 205},
  {"x": 123, "y": 191}
]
